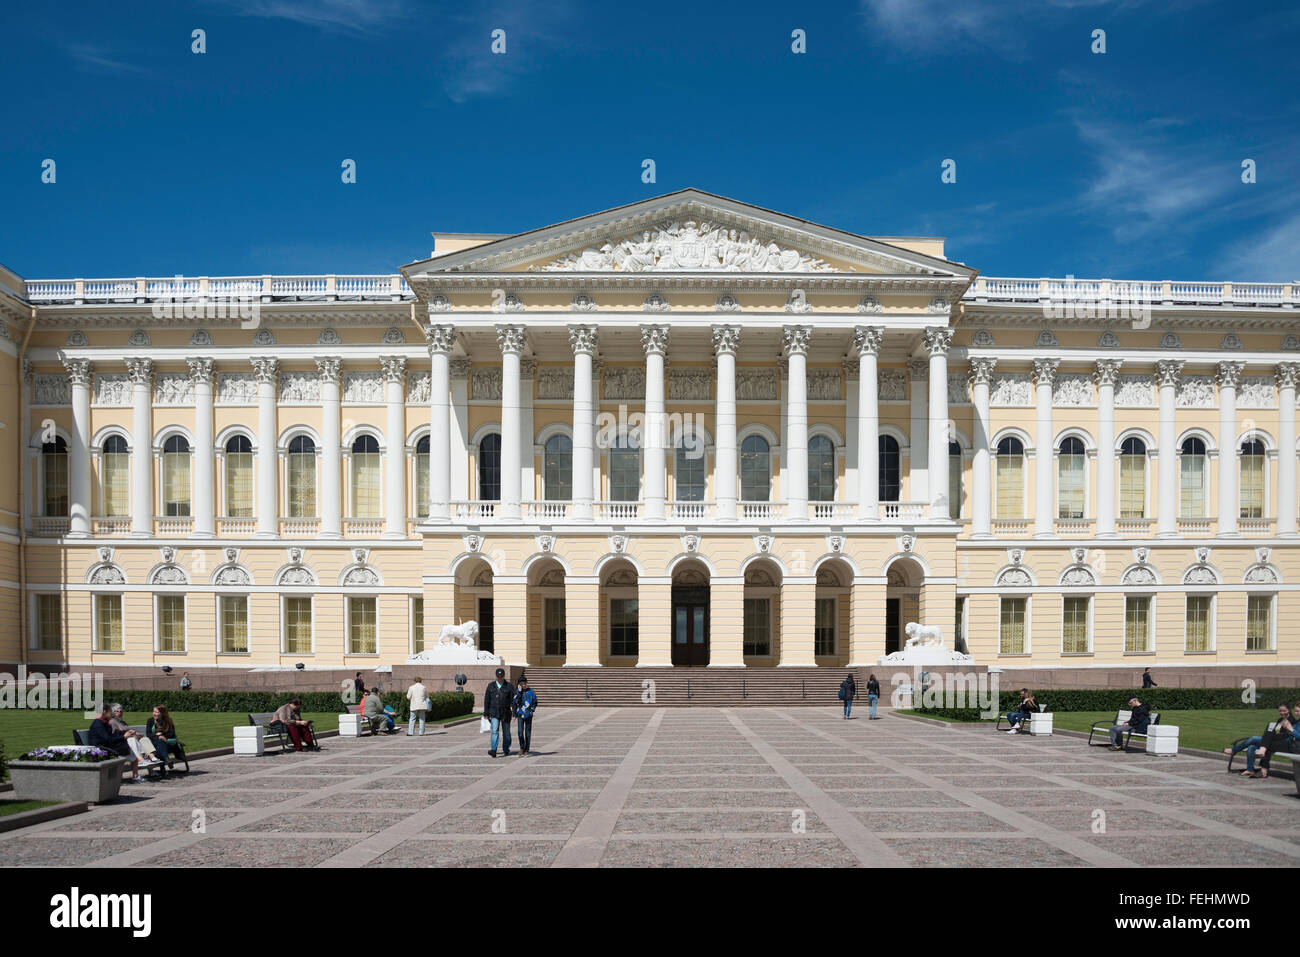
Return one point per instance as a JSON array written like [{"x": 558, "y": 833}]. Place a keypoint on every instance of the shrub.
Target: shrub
[
  {"x": 4, "y": 770},
  {"x": 446, "y": 704},
  {"x": 1116, "y": 699}
]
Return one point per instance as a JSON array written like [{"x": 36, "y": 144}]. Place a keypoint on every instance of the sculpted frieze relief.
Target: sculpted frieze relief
[
  {"x": 485, "y": 382},
  {"x": 689, "y": 246},
  {"x": 1070, "y": 389},
  {"x": 236, "y": 388},
  {"x": 173, "y": 388},
  {"x": 958, "y": 389},
  {"x": 299, "y": 386},
  {"x": 1011, "y": 388},
  {"x": 555, "y": 382},
  {"x": 892, "y": 385},
  {"x": 418, "y": 388},
  {"x": 824, "y": 385},
  {"x": 755, "y": 384},
  {"x": 365, "y": 388},
  {"x": 693, "y": 384},
  {"x": 1195, "y": 392},
  {"x": 113, "y": 389},
  {"x": 1256, "y": 392},
  {"x": 622, "y": 382},
  {"x": 1135, "y": 391},
  {"x": 51, "y": 389}
]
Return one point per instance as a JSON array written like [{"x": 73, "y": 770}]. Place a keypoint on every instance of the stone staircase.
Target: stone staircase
[{"x": 689, "y": 687}]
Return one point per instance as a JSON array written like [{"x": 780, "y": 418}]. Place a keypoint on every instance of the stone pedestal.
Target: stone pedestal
[
  {"x": 1162, "y": 739},
  {"x": 1040, "y": 723},
  {"x": 95, "y": 782},
  {"x": 350, "y": 725},
  {"x": 250, "y": 739}
]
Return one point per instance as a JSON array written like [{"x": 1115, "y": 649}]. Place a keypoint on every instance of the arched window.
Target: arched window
[
  {"x": 755, "y": 469},
  {"x": 821, "y": 469},
  {"x": 115, "y": 477},
  {"x": 365, "y": 477},
  {"x": 1252, "y": 479},
  {"x": 1133, "y": 479},
  {"x": 176, "y": 476},
  {"x": 689, "y": 469},
  {"x": 422, "y": 476},
  {"x": 624, "y": 471},
  {"x": 1192, "y": 474},
  {"x": 1071, "y": 463},
  {"x": 54, "y": 470},
  {"x": 301, "y": 472},
  {"x": 489, "y": 468},
  {"x": 1011, "y": 478},
  {"x": 891, "y": 469},
  {"x": 954, "y": 480},
  {"x": 557, "y": 469},
  {"x": 239, "y": 477}
]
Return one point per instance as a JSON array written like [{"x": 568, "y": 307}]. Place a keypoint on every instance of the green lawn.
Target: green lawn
[
  {"x": 14, "y": 807},
  {"x": 1207, "y": 730}
]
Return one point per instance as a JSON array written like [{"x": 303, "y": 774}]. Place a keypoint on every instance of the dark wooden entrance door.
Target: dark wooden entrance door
[
  {"x": 893, "y": 612},
  {"x": 690, "y": 627},
  {"x": 486, "y": 638}
]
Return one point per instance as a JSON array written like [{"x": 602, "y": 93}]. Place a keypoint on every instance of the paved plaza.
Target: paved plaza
[{"x": 689, "y": 787}]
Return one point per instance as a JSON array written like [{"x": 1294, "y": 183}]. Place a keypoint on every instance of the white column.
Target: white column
[
  {"x": 654, "y": 339},
  {"x": 1044, "y": 444},
  {"x": 795, "y": 342},
  {"x": 331, "y": 454},
  {"x": 460, "y": 457},
  {"x": 1287, "y": 375},
  {"x": 268, "y": 454},
  {"x": 394, "y": 369},
  {"x": 868, "y": 340},
  {"x": 441, "y": 340},
  {"x": 1229, "y": 509},
  {"x": 1167, "y": 452},
  {"x": 918, "y": 438},
  {"x": 79, "y": 371},
  {"x": 726, "y": 462},
  {"x": 205, "y": 464},
  {"x": 937, "y": 341},
  {"x": 981, "y": 375},
  {"x": 141, "y": 373},
  {"x": 511, "y": 341},
  {"x": 1106, "y": 374},
  {"x": 528, "y": 448},
  {"x": 852, "y": 451},
  {"x": 583, "y": 340}
]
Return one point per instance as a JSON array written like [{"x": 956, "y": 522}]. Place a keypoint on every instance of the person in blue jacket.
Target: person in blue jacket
[{"x": 525, "y": 704}]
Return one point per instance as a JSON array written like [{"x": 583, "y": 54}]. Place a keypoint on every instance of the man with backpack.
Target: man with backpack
[{"x": 848, "y": 688}]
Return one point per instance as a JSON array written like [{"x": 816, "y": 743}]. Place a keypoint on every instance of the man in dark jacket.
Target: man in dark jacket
[
  {"x": 1137, "y": 723},
  {"x": 848, "y": 690},
  {"x": 498, "y": 706},
  {"x": 102, "y": 735},
  {"x": 1147, "y": 680}
]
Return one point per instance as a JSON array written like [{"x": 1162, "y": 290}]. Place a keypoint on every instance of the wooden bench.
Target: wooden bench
[
  {"x": 82, "y": 737},
  {"x": 1121, "y": 717},
  {"x": 1291, "y": 756},
  {"x": 266, "y": 719},
  {"x": 1023, "y": 724}
]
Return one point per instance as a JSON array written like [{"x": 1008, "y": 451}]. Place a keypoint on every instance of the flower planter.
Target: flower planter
[{"x": 97, "y": 781}]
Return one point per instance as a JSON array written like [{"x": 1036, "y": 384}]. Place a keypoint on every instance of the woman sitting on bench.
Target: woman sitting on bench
[
  {"x": 1027, "y": 707},
  {"x": 1263, "y": 745}
]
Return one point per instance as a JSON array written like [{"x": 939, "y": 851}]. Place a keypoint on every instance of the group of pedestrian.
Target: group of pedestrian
[
  {"x": 849, "y": 690},
  {"x": 503, "y": 702},
  {"x": 152, "y": 749},
  {"x": 1283, "y": 736}
]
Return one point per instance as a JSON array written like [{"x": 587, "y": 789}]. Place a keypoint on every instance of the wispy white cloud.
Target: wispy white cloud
[
  {"x": 357, "y": 16},
  {"x": 1272, "y": 255},
  {"x": 469, "y": 68},
  {"x": 998, "y": 24},
  {"x": 93, "y": 59}
]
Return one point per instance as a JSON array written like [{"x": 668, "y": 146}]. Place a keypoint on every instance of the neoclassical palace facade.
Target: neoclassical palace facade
[{"x": 687, "y": 431}]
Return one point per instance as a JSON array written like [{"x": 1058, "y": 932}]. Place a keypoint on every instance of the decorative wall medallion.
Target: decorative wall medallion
[
  {"x": 201, "y": 337},
  {"x": 869, "y": 306},
  {"x": 439, "y": 303},
  {"x": 1046, "y": 338},
  {"x": 76, "y": 339},
  {"x": 797, "y": 304},
  {"x": 655, "y": 303},
  {"x": 582, "y": 303},
  {"x": 473, "y": 542},
  {"x": 1230, "y": 341},
  {"x": 328, "y": 337},
  {"x": 1108, "y": 340},
  {"x": 983, "y": 338},
  {"x": 726, "y": 303},
  {"x": 139, "y": 339},
  {"x": 1170, "y": 340},
  {"x": 1291, "y": 343},
  {"x": 938, "y": 306},
  {"x": 394, "y": 336},
  {"x": 510, "y": 303},
  {"x": 264, "y": 337}
]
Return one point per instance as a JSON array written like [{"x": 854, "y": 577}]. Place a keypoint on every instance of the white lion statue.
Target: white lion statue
[
  {"x": 462, "y": 634},
  {"x": 923, "y": 636}
]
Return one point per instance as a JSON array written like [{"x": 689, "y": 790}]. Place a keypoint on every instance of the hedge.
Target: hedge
[
  {"x": 446, "y": 704},
  {"x": 1115, "y": 699},
  {"x": 4, "y": 769}
]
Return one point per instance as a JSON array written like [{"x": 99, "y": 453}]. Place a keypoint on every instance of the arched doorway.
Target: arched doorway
[
  {"x": 474, "y": 600},
  {"x": 902, "y": 601},
  {"x": 832, "y": 618},
  {"x": 691, "y": 615},
  {"x": 620, "y": 615},
  {"x": 547, "y": 639},
  {"x": 762, "y": 613}
]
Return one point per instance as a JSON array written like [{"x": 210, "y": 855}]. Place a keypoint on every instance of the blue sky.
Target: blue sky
[{"x": 1125, "y": 164}]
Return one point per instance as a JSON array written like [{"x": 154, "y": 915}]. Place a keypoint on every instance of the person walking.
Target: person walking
[
  {"x": 848, "y": 688},
  {"x": 418, "y": 698},
  {"x": 1147, "y": 680},
  {"x": 498, "y": 704},
  {"x": 186, "y": 684},
  {"x": 873, "y": 696},
  {"x": 359, "y": 688},
  {"x": 525, "y": 705}
]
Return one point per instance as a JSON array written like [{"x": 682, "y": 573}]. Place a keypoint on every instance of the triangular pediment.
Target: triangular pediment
[{"x": 688, "y": 232}]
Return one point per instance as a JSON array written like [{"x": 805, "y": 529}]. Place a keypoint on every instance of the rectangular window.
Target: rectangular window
[
  {"x": 417, "y": 625},
  {"x": 1252, "y": 486},
  {"x": 176, "y": 483},
  {"x": 117, "y": 484},
  {"x": 959, "y": 632},
  {"x": 1198, "y": 622},
  {"x": 421, "y": 504},
  {"x": 108, "y": 622},
  {"x": 624, "y": 475},
  {"x": 624, "y": 627},
  {"x": 553, "y": 623},
  {"x": 1192, "y": 485},
  {"x": 758, "y": 626},
  {"x": 1259, "y": 623},
  {"x": 1011, "y": 486},
  {"x": 365, "y": 485},
  {"x": 297, "y": 625},
  {"x": 56, "y": 482},
  {"x": 1137, "y": 623},
  {"x": 1132, "y": 486},
  {"x": 362, "y": 626},
  {"x": 239, "y": 485},
  {"x": 234, "y": 624},
  {"x": 1011, "y": 626},
  {"x": 301, "y": 470},
  {"x": 1070, "y": 486},
  {"x": 171, "y": 622},
  {"x": 954, "y": 486},
  {"x": 1074, "y": 624},
  {"x": 49, "y": 623},
  {"x": 824, "y": 627}
]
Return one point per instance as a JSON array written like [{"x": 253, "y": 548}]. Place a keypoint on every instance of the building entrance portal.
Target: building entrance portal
[{"x": 691, "y": 627}]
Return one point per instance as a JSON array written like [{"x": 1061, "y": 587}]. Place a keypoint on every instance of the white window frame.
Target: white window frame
[
  {"x": 33, "y": 643},
  {"x": 410, "y": 624},
  {"x": 1089, "y": 455},
  {"x": 1026, "y": 456},
  {"x": 835, "y": 625},
  {"x": 1213, "y": 621},
  {"x": 221, "y": 623},
  {"x": 1029, "y": 618},
  {"x": 1092, "y": 617},
  {"x": 766, "y": 594},
  {"x": 1270, "y": 454},
  {"x": 350, "y": 492},
  {"x": 620, "y": 593},
  {"x": 1272, "y": 621},
  {"x": 347, "y": 627},
  {"x": 1147, "y": 471},
  {"x": 1151, "y": 624},
  {"x": 282, "y": 467},
  {"x": 284, "y": 623},
  {"x": 157, "y": 622},
  {"x": 220, "y": 502},
  {"x": 94, "y": 621}
]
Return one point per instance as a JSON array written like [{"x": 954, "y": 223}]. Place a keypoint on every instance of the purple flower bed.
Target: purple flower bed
[{"x": 68, "y": 752}]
